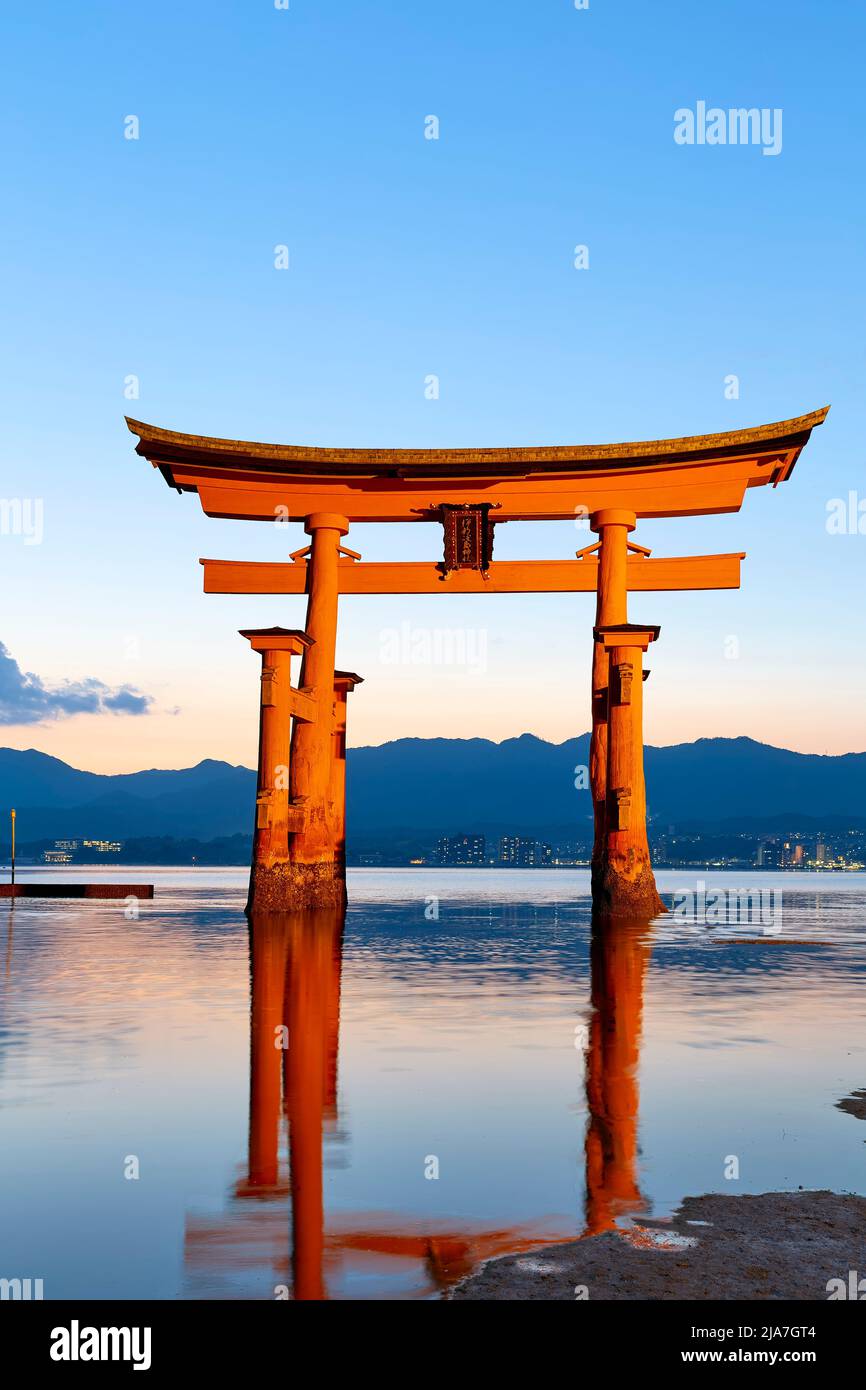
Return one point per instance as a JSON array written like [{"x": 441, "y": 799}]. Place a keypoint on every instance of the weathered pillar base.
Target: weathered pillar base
[
  {"x": 626, "y": 890},
  {"x": 290, "y": 887}
]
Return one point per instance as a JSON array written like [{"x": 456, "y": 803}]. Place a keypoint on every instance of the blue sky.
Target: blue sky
[{"x": 409, "y": 257}]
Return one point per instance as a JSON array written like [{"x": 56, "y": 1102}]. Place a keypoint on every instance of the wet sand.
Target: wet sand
[{"x": 773, "y": 1246}]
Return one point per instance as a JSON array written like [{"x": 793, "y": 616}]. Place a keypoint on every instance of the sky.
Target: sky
[{"x": 139, "y": 278}]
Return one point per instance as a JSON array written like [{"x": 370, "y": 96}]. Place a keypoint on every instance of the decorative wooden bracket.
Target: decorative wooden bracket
[
  {"x": 269, "y": 684},
  {"x": 630, "y": 545},
  {"x": 587, "y": 550},
  {"x": 620, "y": 806},
  {"x": 304, "y": 705},
  {"x": 624, "y": 675},
  {"x": 263, "y": 809},
  {"x": 304, "y": 553}
]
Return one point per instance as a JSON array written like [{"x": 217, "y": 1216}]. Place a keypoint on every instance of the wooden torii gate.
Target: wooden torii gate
[{"x": 300, "y": 820}]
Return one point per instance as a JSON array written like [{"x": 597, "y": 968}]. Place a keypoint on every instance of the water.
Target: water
[{"x": 556, "y": 1085}]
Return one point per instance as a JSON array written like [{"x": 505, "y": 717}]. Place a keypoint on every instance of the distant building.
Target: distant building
[
  {"x": 462, "y": 850},
  {"x": 770, "y": 855},
  {"x": 785, "y": 854},
  {"x": 509, "y": 847},
  {"x": 68, "y": 851},
  {"x": 541, "y": 855},
  {"x": 792, "y": 855},
  {"x": 524, "y": 854}
]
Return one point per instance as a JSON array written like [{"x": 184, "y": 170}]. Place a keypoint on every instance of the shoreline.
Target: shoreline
[{"x": 776, "y": 1245}]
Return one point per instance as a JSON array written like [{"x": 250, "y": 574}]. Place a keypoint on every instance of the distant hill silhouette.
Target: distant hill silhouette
[
  {"x": 440, "y": 786},
  {"x": 526, "y": 784},
  {"x": 55, "y": 800}
]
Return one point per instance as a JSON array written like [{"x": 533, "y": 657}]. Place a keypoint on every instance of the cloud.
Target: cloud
[{"x": 25, "y": 699}]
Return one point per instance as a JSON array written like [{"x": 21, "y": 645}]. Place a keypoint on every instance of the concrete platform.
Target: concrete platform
[{"x": 76, "y": 890}]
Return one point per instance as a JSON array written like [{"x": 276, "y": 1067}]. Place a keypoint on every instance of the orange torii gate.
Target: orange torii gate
[{"x": 469, "y": 492}]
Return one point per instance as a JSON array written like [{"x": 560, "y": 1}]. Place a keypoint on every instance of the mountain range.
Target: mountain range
[{"x": 428, "y": 787}]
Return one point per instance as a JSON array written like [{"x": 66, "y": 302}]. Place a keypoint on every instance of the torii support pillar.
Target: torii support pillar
[
  {"x": 277, "y": 819},
  {"x": 344, "y": 683},
  {"x": 623, "y": 882},
  {"x": 317, "y": 868}
]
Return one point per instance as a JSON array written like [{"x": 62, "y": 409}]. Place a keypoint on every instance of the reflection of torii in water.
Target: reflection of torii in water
[
  {"x": 294, "y": 1033},
  {"x": 619, "y": 952},
  {"x": 295, "y": 999}
]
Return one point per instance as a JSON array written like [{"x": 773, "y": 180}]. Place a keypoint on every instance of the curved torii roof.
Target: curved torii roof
[{"x": 702, "y": 473}]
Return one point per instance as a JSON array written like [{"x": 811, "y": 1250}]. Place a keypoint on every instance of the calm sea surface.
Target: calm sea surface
[{"x": 192, "y": 1108}]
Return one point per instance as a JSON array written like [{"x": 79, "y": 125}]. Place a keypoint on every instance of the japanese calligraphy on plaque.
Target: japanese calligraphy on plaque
[{"x": 468, "y": 536}]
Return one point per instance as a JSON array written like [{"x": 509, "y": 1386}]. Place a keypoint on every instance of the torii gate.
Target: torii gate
[{"x": 297, "y": 857}]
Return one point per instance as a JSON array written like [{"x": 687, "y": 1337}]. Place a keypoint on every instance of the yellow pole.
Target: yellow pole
[{"x": 13, "y": 846}]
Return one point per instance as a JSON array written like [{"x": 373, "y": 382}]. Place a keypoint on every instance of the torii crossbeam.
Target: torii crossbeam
[
  {"x": 503, "y": 576},
  {"x": 468, "y": 491}
]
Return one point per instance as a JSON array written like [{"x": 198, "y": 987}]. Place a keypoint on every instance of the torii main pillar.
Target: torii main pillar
[
  {"x": 611, "y": 606},
  {"x": 622, "y": 878},
  {"x": 316, "y": 866}
]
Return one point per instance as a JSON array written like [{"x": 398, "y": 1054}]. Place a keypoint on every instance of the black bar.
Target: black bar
[{"x": 641, "y": 1336}]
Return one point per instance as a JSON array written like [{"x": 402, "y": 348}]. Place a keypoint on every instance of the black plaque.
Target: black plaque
[{"x": 468, "y": 536}]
